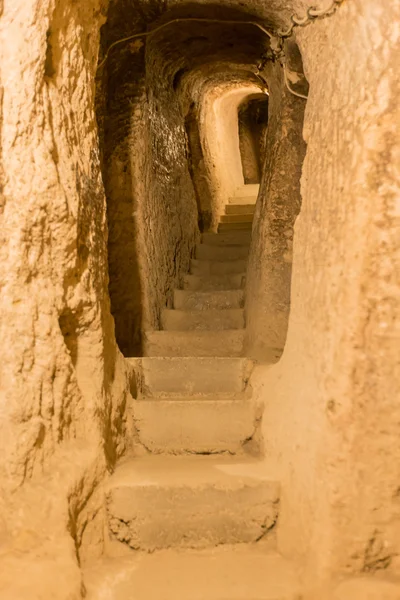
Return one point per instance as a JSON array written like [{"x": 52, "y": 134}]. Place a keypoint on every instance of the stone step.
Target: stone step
[
  {"x": 242, "y": 218},
  {"x": 190, "y": 375},
  {"x": 206, "y": 320},
  {"x": 183, "y": 425},
  {"x": 248, "y": 190},
  {"x": 213, "y": 282},
  {"x": 242, "y": 200},
  {"x": 240, "y": 209},
  {"x": 219, "y": 299},
  {"x": 159, "y": 502},
  {"x": 234, "y": 238},
  {"x": 217, "y": 267},
  {"x": 194, "y": 343},
  {"x": 213, "y": 252},
  {"x": 228, "y": 227},
  {"x": 242, "y": 572}
]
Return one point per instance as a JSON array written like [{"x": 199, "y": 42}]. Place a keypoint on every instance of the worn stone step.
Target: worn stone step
[
  {"x": 228, "y": 227},
  {"x": 187, "y": 375},
  {"x": 208, "y": 426},
  {"x": 248, "y": 190},
  {"x": 219, "y": 299},
  {"x": 217, "y": 267},
  {"x": 242, "y": 200},
  {"x": 234, "y": 238},
  {"x": 212, "y": 252},
  {"x": 206, "y": 320},
  {"x": 241, "y": 572},
  {"x": 240, "y": 209},
  {"x": 194, "y": 343},
  {"x": 241, "y": 218},
  {"x": 159, "y": 502},
  {"x": 213, "y": 282}
]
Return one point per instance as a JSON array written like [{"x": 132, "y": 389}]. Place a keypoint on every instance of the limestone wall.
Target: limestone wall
[
  {"x": 270, "y": 263},
  {"x": 332, "y": 406},
  {"x": 63, "y": 382}
]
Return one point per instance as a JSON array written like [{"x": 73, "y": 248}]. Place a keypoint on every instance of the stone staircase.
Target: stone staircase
[{"x": 198, "y": 497}]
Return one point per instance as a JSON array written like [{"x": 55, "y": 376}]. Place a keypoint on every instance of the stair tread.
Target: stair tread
[
  {"x": 193, "y": 471},
  {"x": 207, "y": 282},
  {"x": 222, "y": 252},
  {"x": 225, "y": 227},
  {"x": 212, "y": 319},
  {"x": 243, "y": 572},
  {"x": 182, "y": 426},
  {"x": 237, "y": 218},
  {"x": 206, "y": 300},
  {"x": 195, "y": 343},
  {"x": 234, "y": 238},
  {"x": 217, "y": 267},
  {"x": 239, "y": 209},
  {"x": 179, "y": 375}
]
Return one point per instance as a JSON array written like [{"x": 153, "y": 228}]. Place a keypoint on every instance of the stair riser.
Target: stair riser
[
  {"x": 210, "y": 320},
  {"x": 248, "y": 190},
  {"x": 186, "y": 300},
  {"x": 242, "y": 200},
  {"x": 179, "y": 427},
  {"x": 225, "y": 227},
  {"x": 240, "y": 209},
  {"x": 205, "y": 267},
  {"x": 187, "y": 376},
  {"x": 221, "y": 253},
  {"x": 156, "y": 517},
  {"x": 239, "y": 238},
  {"x": 241, "y": 218},
  {"x": 194, "y": 343},
  {"x": 213, "y": 283}
]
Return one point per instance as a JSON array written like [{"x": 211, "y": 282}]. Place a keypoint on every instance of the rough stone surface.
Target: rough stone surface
[
  {"x": 269, "y": 275},
  {"x": 237, "y": 573},
  {"x": 190, "y": 502},
  {"x": 63, "y": 382},
  {"x": 199, "y": 425},
  {"x": 194, "y": 343},
  {"x": 332, "y": 416},
  {"x": 331, "y": 423},
  {"x": 368, "y": 588}
]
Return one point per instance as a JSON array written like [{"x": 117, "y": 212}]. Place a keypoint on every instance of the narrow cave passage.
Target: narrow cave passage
[
  {"x": 168, "y": 115},
  {"x": 199, "y": 300},
  {"x": 184, "y": 130},
  {"x": 253, "y": 121}
]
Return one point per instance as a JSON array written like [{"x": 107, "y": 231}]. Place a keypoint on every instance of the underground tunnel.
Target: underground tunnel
[{"x": 199, "y": 300}]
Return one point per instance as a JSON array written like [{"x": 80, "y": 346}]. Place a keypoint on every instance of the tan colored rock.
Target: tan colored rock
[
  {"x": 190, "y": 502},
  {"x": 367, "y": 588}
]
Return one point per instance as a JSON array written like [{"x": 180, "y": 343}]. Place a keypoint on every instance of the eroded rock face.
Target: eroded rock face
[
  {"x": 332, "y": 413},
  {"x": 63, "y": 383}
]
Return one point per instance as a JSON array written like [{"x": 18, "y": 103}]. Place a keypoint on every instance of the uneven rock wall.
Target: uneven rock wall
[
  {"x": 152, "y": 211},
  {"x": 332, "y": 411},
  {"x": 172, "y": 208},
  {"x": 63, "y": 382},
  {"x": 121, "y": 110},
  {"x": 270, "y": 263}
]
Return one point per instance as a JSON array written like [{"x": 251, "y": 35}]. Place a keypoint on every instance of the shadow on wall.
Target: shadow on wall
[
  {"x": 123, "y": 258},
  {"x": 196, "y": 169},
  {"x": 270, "y": 265},
  {"x": 253, "y": 121}
]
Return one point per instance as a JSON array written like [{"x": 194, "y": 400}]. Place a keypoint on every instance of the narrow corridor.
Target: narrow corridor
[
  {"x": 199, "y": 300},
  {"x": 196, "y": 495}
]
